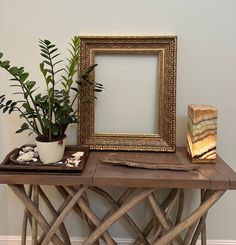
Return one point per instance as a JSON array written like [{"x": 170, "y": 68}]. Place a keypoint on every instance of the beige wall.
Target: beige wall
[{"x": 206, "y": 31}]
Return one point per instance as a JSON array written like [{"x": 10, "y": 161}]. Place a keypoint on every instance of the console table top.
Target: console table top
[{"x": 208, "y": 176}]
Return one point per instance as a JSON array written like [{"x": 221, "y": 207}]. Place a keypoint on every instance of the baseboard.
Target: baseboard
[{"x": 15, "y": 240}]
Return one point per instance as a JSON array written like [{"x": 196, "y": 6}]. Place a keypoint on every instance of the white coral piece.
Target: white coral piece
[
  {"x": 28, "y": 156},
  {"x": 78, "y": 154},
  {"x": 27, "y": 148}
]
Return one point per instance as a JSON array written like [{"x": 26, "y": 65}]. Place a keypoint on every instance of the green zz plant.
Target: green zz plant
[{"x": 49, "y": 114}]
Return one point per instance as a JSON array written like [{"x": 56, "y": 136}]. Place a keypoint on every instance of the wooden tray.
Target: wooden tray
[{"x": 9, "y": 165}]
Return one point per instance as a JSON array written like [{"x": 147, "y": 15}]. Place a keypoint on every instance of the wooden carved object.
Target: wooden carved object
[
  {"x": 149, "y": 165},
  {"x": 201, "y": 133}
]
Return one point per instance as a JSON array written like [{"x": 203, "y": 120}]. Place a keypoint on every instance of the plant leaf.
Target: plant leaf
[
  {"x": 55, "y": 129},
  {"x": 88, "y": 71},
  {"x": 30, "y": 84},
  {"x": 62, "y": 69},
  {"x": 45, "y": 56},
  {"x": 5, "y": 109},
  {"x": 57, "y": 62},
  {"x": 47, "y": 42},
  {"x": 54, "y": 50},
  {"x": 24, "y": 76},
  {"x": 47, "y": 62},
  {"x": 75, "y": 89},
  {"x": 23, "y": 127},
  {"x": 5, "y": 64},
  {"x": 11, "y": 110},
  {"x": 55, "y": 56},
  {"x": 8, "y": 102},
  {"x": 51, "y": 46},
  {"x": 14, "y": 70},
  {"x": 13, "y": 104}
]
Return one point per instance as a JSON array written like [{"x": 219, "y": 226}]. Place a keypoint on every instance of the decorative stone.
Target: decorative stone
[
  {"x": 27, "y": 148},
  {"x": 72, "y": 161},
  {"x": 78, "y": 154},
  {"x": 36, "y": 154},
  {"x": 26, "y": 157},
  {"x": 34, "y": 159},
  {"x": 21, "y": 153},
  {"x": 202, "y": 133}
]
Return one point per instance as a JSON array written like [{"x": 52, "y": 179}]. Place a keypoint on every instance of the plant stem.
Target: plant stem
[
  {"x": 51, "y": 97},
  {"x": 34, "y": 130},
  {"x": 24, "y": 89},
  {"x": 72, "y": 103}
]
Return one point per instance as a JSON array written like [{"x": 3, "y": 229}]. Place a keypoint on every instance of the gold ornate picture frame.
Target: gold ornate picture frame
[{"x": 165, "y": 49}]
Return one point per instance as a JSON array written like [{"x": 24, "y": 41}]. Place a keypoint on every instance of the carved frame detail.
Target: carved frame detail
[{"x": 166, "y": 48}]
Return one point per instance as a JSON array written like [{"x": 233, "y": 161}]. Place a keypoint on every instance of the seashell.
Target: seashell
[
  {"x": 21, "y": 153},
  {"x": 78, "y": 154},
  {"x": 36, "y": 154},
  {"x": 72, "y": 161},
  {"x": 28, "y": 156},
  {"x": 27, "y": 148},
  {"x": 77, "y": 163}
]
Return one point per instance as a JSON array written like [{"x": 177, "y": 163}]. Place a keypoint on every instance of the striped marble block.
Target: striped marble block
[{"x": 201, "y": 133}]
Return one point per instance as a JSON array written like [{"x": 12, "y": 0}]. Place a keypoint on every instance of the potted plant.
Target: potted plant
[{"x": 48, "y": 114}]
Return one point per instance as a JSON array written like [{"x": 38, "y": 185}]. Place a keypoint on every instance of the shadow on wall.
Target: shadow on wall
[{"x": 181, "y": 130}]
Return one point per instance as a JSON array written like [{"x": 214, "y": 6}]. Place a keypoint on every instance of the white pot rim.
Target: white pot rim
[{"x": 41, "y": 141}]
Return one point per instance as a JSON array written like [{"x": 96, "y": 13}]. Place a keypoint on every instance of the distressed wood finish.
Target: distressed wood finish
[
  {"x": 149, "y": 165},
  {"x": 207, "y": 176},
  {"x": 143, "y": 185},
  {"x": 191, "y": 219}
]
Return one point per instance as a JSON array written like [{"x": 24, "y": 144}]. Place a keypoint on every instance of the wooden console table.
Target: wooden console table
[{"x": 164, "y": 226}]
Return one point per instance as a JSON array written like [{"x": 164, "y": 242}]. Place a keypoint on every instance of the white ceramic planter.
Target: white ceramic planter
[{"x": 50, "y": 152}]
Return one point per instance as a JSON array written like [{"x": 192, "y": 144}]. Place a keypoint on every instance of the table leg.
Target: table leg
[
  {"x": 160, "y": 214},
  {"x": 63, "y": 214},
  {"x": 25, "y": 219},
  {"x": 90, "y": 224},
  {"x": 191, "y": 219},
  {"x": 164, "y": 217},
  {"x": 116, "y": 215},
  {"x": 203, "y": 232},
  {"x": 202, "y": 221},
  {"x": 189, "y": 233},
  {"x": 55, "y": 215},
  {"x": 149, "y": 227},
  {"x": 34, "y": 221},
  {"x": 92, "y": 216},
  {"x": 180, "y": 208},
  {"x": 32, "y": 208},
  {"x": 169, "y": 227},
  {"x": 117, "y": 205}
]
